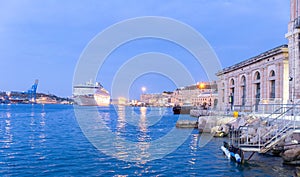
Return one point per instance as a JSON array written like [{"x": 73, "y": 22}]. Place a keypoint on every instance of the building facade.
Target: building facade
[
  {"x": 293, "y": 36},
  {"x": 157, "y": 99},
  {"x": 262, "y": 79},
  {"x": 204, "y": 93},
  {"x": 200, "y": 94}
]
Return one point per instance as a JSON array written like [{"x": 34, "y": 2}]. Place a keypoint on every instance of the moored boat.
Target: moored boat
[
  {"x": 90, "y": 94},
  {"x": 176, "y": 109},
  {"x": 184, "y": 109},
  {"x": 233, "y": 153}
]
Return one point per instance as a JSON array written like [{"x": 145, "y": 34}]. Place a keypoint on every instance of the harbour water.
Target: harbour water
[{"x": 46, "y": 140}]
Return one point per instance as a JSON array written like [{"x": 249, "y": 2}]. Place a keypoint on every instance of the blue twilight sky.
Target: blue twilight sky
[{"x": 44, "y": 39}]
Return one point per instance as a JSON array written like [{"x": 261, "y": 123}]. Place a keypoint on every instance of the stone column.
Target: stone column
[
  {"x": 278, "y": 83},
  {"x": 249, "y": 88},
  {"x": 294, "y": 57},
  {"x": 264, "y": 83}
]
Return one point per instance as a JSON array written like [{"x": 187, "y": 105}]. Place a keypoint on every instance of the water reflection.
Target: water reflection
[
  {"x": 36, "y": 134},
  {"x": 6, "y": 133},
  {"x": 61, "y": 150},
  {"x": 137, "y": 151},
  {"x": 193, "y": 148},
  {"x": 142, "y": 123},
  {"x": 32, "y": 128},
  {"x": 121, "y": 122},
  {"x": 42, "y": 135},
  {"x": 8, "y": 137},
  {"x": 153, "y": 115},
  {"x": 143, "y": 145}
]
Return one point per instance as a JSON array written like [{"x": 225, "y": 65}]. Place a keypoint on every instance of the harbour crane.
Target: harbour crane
[{"x": 32, "y": 92}]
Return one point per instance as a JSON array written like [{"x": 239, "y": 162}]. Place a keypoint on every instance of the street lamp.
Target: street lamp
[
  {"x": 143, "y": 97},
  {"x": 144, "y": 89},
  {"x": 201, "y": 85}
]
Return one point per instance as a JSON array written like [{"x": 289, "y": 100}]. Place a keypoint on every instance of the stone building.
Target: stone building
[
  {"x": 262, "y": 79},
  {"x": 204, "y": 93},
  {"x": 157, "y": 99},
  {"x": 293, "y": 36},
  {"x": 271, "y": 77},
  {"x": 196, "y": 95}
]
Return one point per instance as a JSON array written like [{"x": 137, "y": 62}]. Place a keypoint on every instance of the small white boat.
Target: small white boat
[{"x": 233, "y": 153}]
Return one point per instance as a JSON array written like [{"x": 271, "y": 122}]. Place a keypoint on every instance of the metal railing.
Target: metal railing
[
  {"x": 266, "y": 132},
  {"x": 258, "y": 105}
]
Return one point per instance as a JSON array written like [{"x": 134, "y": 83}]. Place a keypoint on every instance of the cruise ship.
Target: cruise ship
[{"x": 90, "y": 94}]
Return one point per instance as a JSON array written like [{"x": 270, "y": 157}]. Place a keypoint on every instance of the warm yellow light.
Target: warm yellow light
[{"x": 201, "y": 85}]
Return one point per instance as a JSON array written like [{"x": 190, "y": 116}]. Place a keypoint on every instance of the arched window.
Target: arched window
[
  {"x": 243, "y": 80},
  {"x": 231, "y": 91},
  {"x": 232, "y": 82},
  {"x": 223, "y": 92},
  {"x": 272, "y": 85},
  {"x": 243, "y": 88},
  {"x": 257, "y": 89},
  {"x": 257, "y": 76},
  {"x": 272, "y": 73}
]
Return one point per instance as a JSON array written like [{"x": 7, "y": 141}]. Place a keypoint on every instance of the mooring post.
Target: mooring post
[{"x": 250, "y": 156}]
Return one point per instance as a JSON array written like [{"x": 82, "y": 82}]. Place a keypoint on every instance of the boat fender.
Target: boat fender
[
  {"x": 238, "y": 158},
  {"x": 225, "y": 151},
  {"x": 232, "y": 154}
]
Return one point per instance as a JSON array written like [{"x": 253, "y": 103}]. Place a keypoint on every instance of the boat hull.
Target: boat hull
[
  {"x": 182, "y": 109},
  {"x": 91, "y": 101},
  {"x": 90, "y": 94},
  {"x": 233, "y": 153}
]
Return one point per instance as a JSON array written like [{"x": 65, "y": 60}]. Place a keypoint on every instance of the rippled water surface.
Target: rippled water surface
[{"x": 46, "y": 140}]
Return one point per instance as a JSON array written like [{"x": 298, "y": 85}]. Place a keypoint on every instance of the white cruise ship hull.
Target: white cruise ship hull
[
  {"x": 91, "y": 95},
  {"x": 84, "y": 100}
]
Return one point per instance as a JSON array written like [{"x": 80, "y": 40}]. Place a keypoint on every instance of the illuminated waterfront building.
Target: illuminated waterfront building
[
  {"x": 272, "y": 77},
  {"x": 199, "y": 94},
  {"x": 196, "y": 95},
  {"x": 157, "y": 99},
  {"x": 260, "y": 79}
]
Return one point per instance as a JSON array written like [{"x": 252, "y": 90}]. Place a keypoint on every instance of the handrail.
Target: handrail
[
  {"x": 270, "y": 115},
  {"x": 279, "y": 132},
  {"x": 282, "y": 114},
  {"x": 277, "y": 128}
]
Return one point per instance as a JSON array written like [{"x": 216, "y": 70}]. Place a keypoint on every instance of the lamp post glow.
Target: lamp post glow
[
  {"x": 143, "y": 97},
  {"x": 204, "y": 87},
  {"x": 201, "y": 85},
  {"x": 144, "y": 89}
]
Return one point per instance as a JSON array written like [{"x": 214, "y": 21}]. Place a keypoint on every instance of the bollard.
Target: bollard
[{"x": 235, "y": 114}]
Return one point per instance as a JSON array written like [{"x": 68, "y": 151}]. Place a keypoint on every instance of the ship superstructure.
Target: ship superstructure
[{"x": 90, "y": 94}]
